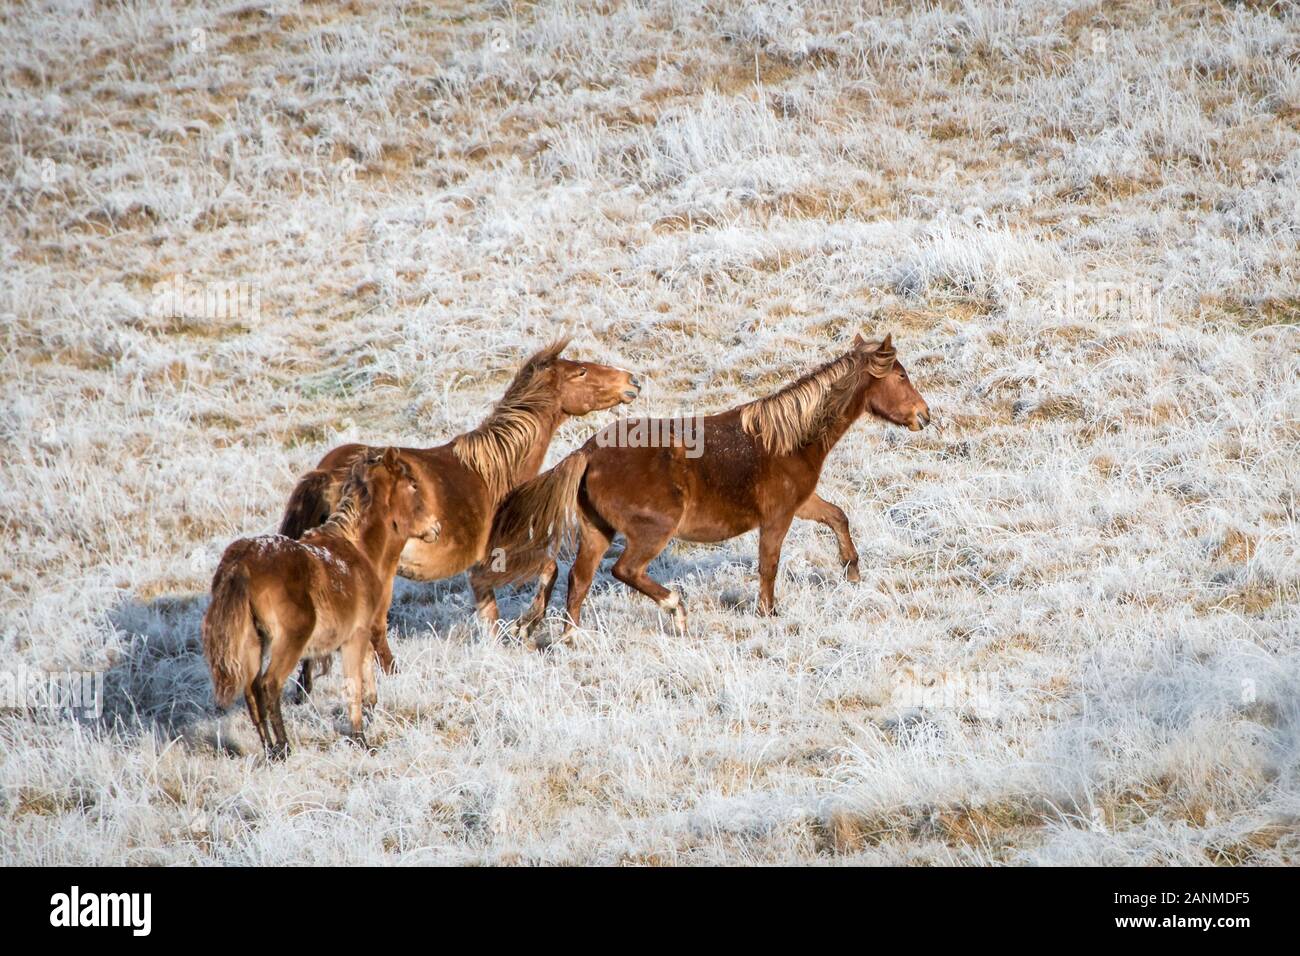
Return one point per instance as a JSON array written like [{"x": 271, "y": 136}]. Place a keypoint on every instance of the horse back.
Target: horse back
[{"x": 705, "y": 489}]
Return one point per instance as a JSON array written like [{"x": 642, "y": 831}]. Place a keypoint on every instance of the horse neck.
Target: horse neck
[
  {"x": 376, "y": 540},
  {"x": 815, "y": 452},
  {"x": 530, "y": 462}
]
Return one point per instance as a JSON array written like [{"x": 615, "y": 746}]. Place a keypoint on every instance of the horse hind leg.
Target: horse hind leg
[
  {"x": 252, "y": 698},
  {"x": 259, "y": 704},
  {"x": 645, "y": 540},
  {"x": 279, "y": 658},
  {"x": 593, "y": 541},
  {"x": 264, "y": 728},
  {"x": 537, "y": 610},
  {"x": 283, "y": 661},
  {"x": 485, "y": 602}
]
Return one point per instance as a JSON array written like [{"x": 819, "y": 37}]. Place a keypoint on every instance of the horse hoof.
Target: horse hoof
[
  {"x": 277, "y": 752},
  {"x": 852, "y": 573}
]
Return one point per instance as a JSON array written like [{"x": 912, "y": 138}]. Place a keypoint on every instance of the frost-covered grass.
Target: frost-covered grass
[{"x": 1077, "y": 634}]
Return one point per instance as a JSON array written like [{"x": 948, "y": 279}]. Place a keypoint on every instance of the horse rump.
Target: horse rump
[{"x": 309, "y": 504}]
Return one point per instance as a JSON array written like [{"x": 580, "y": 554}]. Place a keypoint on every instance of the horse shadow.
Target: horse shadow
[
  {"x": 677, "y": 563},
  {"x": 718, "y": 564},
  {"x": 160, "y": 683}
]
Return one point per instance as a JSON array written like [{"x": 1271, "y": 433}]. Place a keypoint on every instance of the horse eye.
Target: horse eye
[{"x": 581, "y": 372}]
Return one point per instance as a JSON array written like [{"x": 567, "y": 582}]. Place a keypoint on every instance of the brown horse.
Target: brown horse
[
  {"x": 758, "y": 468},
  {"x": 276, "y": 600},
  {"x": 463, "y": 481}
]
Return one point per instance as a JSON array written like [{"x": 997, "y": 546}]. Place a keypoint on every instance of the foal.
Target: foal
[
  {"x": 758, "y": 469},
  {"x": 276, "y": 600},
  {"x": 463, "y": 481}
]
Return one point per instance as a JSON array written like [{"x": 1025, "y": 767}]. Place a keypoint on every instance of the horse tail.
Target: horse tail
[
  {"x": 534, "y": 521},
  {"x": 228, "y": 628},
  {"x": 308, "y": 505}
]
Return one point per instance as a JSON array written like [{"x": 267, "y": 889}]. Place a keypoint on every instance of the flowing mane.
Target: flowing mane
[
  {"x": 801, "y": 412},
  {"x": 496, "y": 448},
  {"x": 345, "y": 520}
]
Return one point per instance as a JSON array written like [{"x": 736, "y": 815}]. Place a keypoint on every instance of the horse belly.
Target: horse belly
[
  {"x": 422, "y": 561},
  {"x": 323, "y": 643},
  {"x": 704, "y": 527},
  {"x": 327, "y": 635},
  {"x": 717, "y": 510}
]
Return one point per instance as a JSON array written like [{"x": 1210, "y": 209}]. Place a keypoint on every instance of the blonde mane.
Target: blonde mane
[
  {"x": 354, "y": 498},
  {"x": 803, "y": 411},
  {"x": 496, "y": 448}
]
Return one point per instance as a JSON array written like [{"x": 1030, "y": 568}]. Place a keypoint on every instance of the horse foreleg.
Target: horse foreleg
[
  {"x": 354, "y": 653},
  {"x": 370, "y": 691},
  {"x": 818, "y": 509},
  {"x": 771, "y": 536},
  {"x": 379, "y": 631},
  {"x": 303, "y": 690}
]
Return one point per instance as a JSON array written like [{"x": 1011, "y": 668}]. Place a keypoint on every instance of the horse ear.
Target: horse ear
[
  {"x": 392, "y": 459},
  {"x": 883, "y": 359},
  {"x": 858, "y": 341}
]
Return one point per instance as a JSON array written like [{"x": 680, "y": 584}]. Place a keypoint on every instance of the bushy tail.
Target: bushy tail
[
  {"x": 227, "y": 628},
  {"x": 534, "y": 521},
  {"x": 308, "y": 506}
]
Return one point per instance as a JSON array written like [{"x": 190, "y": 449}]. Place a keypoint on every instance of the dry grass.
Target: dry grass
[{"x": 1076, "y": 639}]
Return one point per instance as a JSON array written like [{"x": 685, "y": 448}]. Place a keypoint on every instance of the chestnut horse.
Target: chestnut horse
[
  {"x": 276, "y": 600},
  {"x": 463, "y": 481},
  {"x": 759, "y": 468}
]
